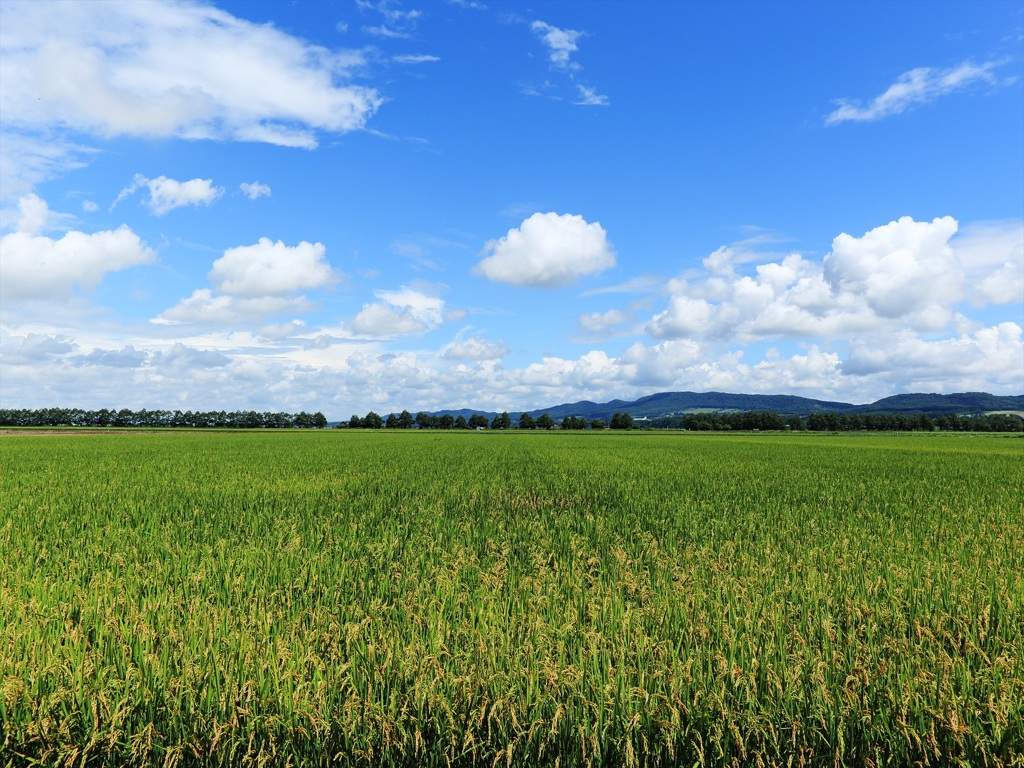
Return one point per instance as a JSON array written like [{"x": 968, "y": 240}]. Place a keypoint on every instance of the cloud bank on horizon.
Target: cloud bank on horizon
[{"x": 387, "y": 205}]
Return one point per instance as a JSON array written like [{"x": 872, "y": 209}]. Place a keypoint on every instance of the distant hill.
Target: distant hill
[
  {"x": 669, "y": 403},
  {"x": 960, "y": 402}
]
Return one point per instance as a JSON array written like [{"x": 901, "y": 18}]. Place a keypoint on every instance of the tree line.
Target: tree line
[
  {"x": 424, "y": 420},
  {"x": 77, "y": 417},
  {"x": 701, "y": 422},
  {"x": 839, "y": 422}
]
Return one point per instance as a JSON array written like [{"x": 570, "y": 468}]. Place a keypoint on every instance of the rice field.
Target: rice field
[{"x": 502, "y": 599}]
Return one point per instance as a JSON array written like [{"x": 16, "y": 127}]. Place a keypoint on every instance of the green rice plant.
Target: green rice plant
[{"x": 484, "y": 599}]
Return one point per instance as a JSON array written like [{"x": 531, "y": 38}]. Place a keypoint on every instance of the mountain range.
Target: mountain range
[{"x": 677, "y": 403}]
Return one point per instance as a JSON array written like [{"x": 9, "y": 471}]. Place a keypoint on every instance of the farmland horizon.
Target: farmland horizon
[{"x": 660, "y": 404}]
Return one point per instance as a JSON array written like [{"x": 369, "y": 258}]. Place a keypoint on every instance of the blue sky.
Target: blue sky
[{"x": 344, "y": 206}]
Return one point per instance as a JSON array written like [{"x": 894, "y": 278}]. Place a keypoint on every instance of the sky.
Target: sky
[{"x": 379, "y": 205}]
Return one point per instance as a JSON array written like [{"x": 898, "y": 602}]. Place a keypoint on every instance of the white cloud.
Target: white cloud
[
  {"x": 603, "y": 323},
  {"x": 36, "y": 267},
  {"x": 27, "y": 159},
  {"x": 473, "y": 348},
  {"x": 254, "y": 190},
  {"x": 161, "y": 69},
  {"x": 662, "y": 364},
  {"x": 89, "y": 206},
  {"x": 900, "y": 268},
  {"x": 561, "y": 44},
  {"x": 411, "y": 58},
  {"x": 989, "y": 359},
  {"x": 35, "y": 347},
  {"x": 992, "y": 255},
  {"x": 126, "y": 357},
  {"x": 272, "y": 269},
  {"x": 382, "y": 319},
  {"x": 548, "y": 250},
  {"x": 214, "y": 369},
  {"x": 254, "y": 282},
  {"x": 1004, "y": 286},
  {"x": 398, "y": 24},
  {"x": 901, "y": 275},
  {"x": 589, "y": 97},
  {"x": 398, "y": 313},
  {"x": 34, "y": 215},
  {"x": 385, "y": 31},
  {"x": 182, "y": 356},
  {"x": 206, "y": 308},
  {"x": 167, "y": 194},
  {"x": 918, "y": 86}
]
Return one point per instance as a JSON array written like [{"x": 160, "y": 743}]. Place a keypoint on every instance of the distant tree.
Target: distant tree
[
  {"x": 355, "y": 422},
  {"x": 622, "y": 421},
  {"x": 795, "y": 423},
  {"x": 598, "y": 424},
  {"x": 424, "y": 420},
  {"x": 460, "y": 422},
  {"x": 478, "y": 420},
  {"x": 405, "y": 420},
  {"x": 445, "y": 421},
  {"x": 545, "y": 422},
  {"x": 526, "y": 421},
  {"x": 373, "y": 421},
  {"x": 391, "y": 422}
]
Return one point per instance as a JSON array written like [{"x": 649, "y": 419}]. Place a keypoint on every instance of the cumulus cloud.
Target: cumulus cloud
[
  {"x": 382, "y": 319},
  {"x": 254, "y": 282},
  {"x": 918, "y": 86},
  {"x": 901, "y": 275},
  {"x": 33, "y": 216},
  {"x": 990, "y": 358},
  {"x": 182, "y": 356},
  {"x": 992, "y": 255},
  {"x": 162, "y": 69},
  {"x": 214, "y": 369},
  {"x": 34, "y": 213},
  {"x": 37, "y": 267},
  {"x": 35, "y": 347},
  {"x": 898, "y": 268},
  {"x": 254, "y": 190},
  {"x": 167, "y": 194},
  {"x": 474, "y": 348},
  {"x": 126, "y": 357},
  {"x": 603, "y": 323},
  {"x": 398, "y": 313},
  {"x": 548, "y": 250},
  {"x": 1003, "y": 286},
  {"x": 272, "y": 269},
  {"x": 662, "y": 364},
  {"x": 203, "y": 306}
]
